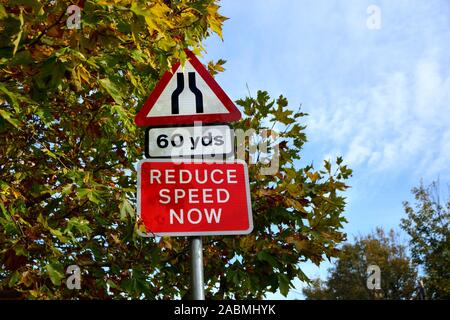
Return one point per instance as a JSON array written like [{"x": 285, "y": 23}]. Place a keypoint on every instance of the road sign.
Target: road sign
[
  {"x": 192, "y": 198},
  {"x": 185, "y": 95},
  {"x": 187, "y": 141}
]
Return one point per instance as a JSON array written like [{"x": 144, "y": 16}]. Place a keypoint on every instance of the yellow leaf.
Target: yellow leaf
[
  {"x": 293, "y": 189},
  {"x": 166, "y": 243},
  {"x": 313, "y": 176},
  {"x": 301, "y": 245},
  {"x": 296, "y": 205},
  {"x": 215, "y": 20},
  {"x": 83, "y": 73},
  {"x": 7, "y": 116},
  {"x": 19, "y": 35}
]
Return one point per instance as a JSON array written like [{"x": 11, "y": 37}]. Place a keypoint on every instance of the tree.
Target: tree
[
  {"x": 348, "y": 277},
  {"x": 69, "y": 145},
  {"x": 427, "y": 223}
]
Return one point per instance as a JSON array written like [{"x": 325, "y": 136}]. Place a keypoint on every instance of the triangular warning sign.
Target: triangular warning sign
[{"x": 185, "y": 95}]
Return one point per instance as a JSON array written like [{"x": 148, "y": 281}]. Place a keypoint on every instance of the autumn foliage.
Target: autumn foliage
[{"x": 69, "y": 145}]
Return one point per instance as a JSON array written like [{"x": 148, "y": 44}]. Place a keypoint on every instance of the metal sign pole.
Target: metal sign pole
[{"x": 198, "y": 290}]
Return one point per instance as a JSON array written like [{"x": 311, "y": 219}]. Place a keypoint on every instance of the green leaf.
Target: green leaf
[
  {"x": 267, "y": 257},
  {"x": 50, "y": 153},
  {"x": 28, "y": 3},
  {"x": 3, "y": 13},
  {"x": 58, "y": 234},
  {"x": 15, "y": 277},
  {"x": 7, "y": 116},
  {"x": 19, "y": 35},
  {"x": 13, "y": 99},
  {"x": 92, "y": 195},
  {"x": 45, "y": 115},
  {"x": 126, "y": 209},
  {"x": 112, "y": 90},
  {"x": 20, "y": 251},
  {"x": 327, "y": 166},
  {"x": 55, "y": 272},
  {"x": 5, "y": 213},
  {"x": 22, "y": 58},
  {"x": 138, "y": 10},
  {"x": 42, "y": 220},
  {"x": 283, "y": 284},
  {"x": 79, "y": 225},
  {"x": 234, "y": 275}
]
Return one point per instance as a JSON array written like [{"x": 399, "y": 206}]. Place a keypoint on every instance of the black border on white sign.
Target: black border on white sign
[{"x": 195, "y": 156}]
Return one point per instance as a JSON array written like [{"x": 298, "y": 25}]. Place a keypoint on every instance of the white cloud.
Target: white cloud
[{"x": 402, "y": 123}]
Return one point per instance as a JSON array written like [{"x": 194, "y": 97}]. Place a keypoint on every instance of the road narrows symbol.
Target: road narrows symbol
[
  {"x": 177, "y": 92},
  {"x": 175, "y": 98},
  {"x": 186, "y": 94},
  {"x": 196, "y": 92}
]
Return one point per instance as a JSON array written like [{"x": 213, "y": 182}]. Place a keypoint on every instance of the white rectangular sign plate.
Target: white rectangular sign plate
[{"x": 188, "y": 141}]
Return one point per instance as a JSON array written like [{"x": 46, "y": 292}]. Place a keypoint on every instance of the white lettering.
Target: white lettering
[
  {"x": 193, "y": 193},
  {"x": 170, "y": 176},
  {"x": 199, "y": 213},
  {"x": 227, "y": 194},
  {"x": 197, "y": 177},
  {"x": 188, "y": 173},
  {"x": 209, "y": 215},
  {"x": 231, "y": 176},
  {"x": 195, "y": 216},
  {"x": 163, "y": 195},
  {"x": 207, "y": 196},
  {"x": 213, "y": 179},
  {"x": 179, "y": 194},
  {"x": 184, "y": 176},
  {"x": 179, "y": 217},
  {"x": 155, "y": 174}
]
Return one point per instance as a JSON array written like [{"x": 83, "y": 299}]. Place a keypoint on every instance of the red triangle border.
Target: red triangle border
[{"x": 142, "y": 120}]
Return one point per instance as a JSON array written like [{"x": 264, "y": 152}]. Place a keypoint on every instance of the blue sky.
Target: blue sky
[{"x": 378, "y": 97}]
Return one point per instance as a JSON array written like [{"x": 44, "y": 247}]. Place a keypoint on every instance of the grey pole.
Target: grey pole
[{"x": 198, "y": 290}]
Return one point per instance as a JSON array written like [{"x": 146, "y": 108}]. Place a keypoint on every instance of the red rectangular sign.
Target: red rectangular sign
[{"x": 190, "y": 197}]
